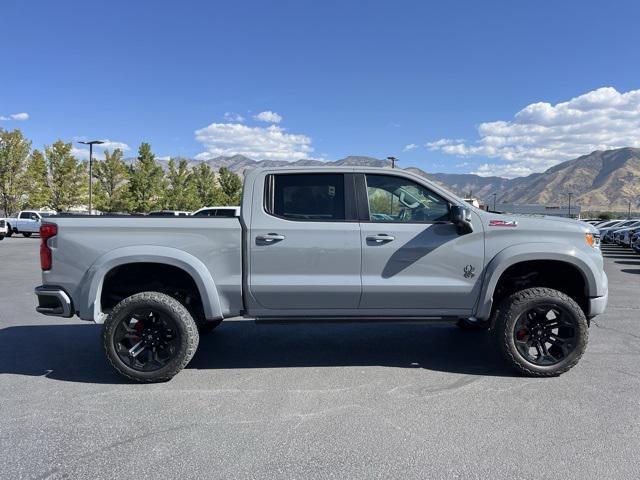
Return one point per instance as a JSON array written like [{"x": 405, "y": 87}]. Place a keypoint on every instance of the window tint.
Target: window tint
[
  {"x": 397, "y": 199},
  {"x": 25, "y": 215},
  {"x": 316, "y": 196}
]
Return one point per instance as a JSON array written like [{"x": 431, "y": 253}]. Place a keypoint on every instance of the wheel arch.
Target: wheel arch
[
  {"x": 510, "y": 257},
  {"x": 94, "y": 280}
]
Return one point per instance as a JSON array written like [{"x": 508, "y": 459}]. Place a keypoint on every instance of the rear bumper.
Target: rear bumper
[{"x": 54, "y": 301}]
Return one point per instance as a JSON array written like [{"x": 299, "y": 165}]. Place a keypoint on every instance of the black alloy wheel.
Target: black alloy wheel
[
  {"x": 545, "y": 335},
  {"x": 146, "y": 340}
]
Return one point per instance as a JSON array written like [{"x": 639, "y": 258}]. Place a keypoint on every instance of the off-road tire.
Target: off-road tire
[
  {"x": 9, "y": 230},
  {"x": 187, "y": 330},
  {"x": 513, "y": 306},
  {"x": 26, "y": 234},
  {"x": 208, "y": 326}
]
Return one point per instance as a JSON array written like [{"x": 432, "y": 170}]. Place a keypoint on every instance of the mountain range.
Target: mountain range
[{"x": 601, "y": 180}]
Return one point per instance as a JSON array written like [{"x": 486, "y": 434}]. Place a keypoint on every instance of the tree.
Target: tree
[
  {"x": 207, "y": 191},
  {"x": 146, "y": 181},
  {"x": 14, "y": 151},
  {"x": 67, "y": 177},
  {"x": 180, "y": 190},
  {"x": 231, "y": 186},
  {"x": 36, "y": 181},
  {"x": 112, "y": 176}
]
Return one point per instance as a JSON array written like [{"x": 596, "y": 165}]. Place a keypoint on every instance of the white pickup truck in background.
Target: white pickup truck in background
[{"x": 26, "y": 222}]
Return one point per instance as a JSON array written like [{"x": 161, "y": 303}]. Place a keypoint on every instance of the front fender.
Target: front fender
[
  {"x": 537, "y": 251},
  {"x": 93, "y": 280}
]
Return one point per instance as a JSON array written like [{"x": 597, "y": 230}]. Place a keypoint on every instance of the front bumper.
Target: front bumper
[
  {"x": 597, "y": 305},
  {"x": 54, "y": 301}
]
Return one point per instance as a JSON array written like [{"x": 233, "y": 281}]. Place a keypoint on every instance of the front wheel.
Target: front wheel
[
  {"x": 149, "y": 337},
  {"x": 9, "y": 230},
  {"x": 26, "y": 234},
  {"x": 541, "y": 332}
]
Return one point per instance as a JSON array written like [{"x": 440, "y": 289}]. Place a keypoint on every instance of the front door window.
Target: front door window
[{"x": 397, "y": 199}]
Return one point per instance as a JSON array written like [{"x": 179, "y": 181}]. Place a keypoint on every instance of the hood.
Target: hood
[{"x": 543, "y": 222}]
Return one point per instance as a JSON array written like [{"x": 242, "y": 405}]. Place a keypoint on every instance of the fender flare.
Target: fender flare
[
  {"x": 536, "y": 251},
  {"x": 93, "y": 280}
]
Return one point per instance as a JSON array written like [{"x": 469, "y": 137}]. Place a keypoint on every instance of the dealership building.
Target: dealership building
[{"x": 536, "y": 209}]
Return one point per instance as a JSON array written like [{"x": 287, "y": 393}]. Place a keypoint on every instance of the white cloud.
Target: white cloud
[
  {"x": 233, "y": 117},
  {"x": 82, "y": 152},
  {"x": 542, "y": 135},
  {"x": 408, "y": 148},
  {"x": 20, "y": 117},
  {"x": 272, "y": 143},
  {"x": 268, "y": 116}
]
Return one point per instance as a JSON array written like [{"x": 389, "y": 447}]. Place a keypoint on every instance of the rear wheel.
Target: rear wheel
[
  {"x": 149, "y": 337},
  {"x": 541, "y": 332},
  {"x": 26, "y": 234}
]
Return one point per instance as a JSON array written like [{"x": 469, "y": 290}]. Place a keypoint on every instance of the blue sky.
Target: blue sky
[{"x": 424, "y": 81}]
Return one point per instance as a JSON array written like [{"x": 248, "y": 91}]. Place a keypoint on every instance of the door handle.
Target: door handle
[
  {"x": 380, "y": 238},
  {"x": 270, "y": 238}
]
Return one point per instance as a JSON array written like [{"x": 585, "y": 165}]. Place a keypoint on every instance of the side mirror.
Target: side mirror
[{"x": 461, "y": 218}]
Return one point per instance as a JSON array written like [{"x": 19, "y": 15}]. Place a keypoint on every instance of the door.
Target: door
[
  {"x": 28, "y": 222},
  {"x": 304, "y": 242},
  {"x": 412, "y": 255}
]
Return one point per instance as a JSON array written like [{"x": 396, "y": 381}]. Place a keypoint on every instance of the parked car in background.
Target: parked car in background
[
  {"x": 318, "y": 244},
  {"x": 27, "y": 222},
  {"x": 3, "y": 229},
  {"x": 168, "y": 213},
  {"x": 217, "y": 212},
  {"x": 623, "y": 237},
  {"x": 607, "y": 233},
  {"x": 607, "y": 224},
  {"x": 635, "y": 242}
]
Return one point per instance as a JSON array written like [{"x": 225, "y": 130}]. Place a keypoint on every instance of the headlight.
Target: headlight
[{"x": 592, "y": 239}]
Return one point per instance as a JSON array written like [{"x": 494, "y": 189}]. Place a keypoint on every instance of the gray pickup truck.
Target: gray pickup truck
[{"x": 316, "y": 243}]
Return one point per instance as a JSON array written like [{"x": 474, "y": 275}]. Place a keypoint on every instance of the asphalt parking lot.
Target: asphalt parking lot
[{"x": 315, "y": 401}]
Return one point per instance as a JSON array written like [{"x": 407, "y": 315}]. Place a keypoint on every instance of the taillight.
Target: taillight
[{"x": 47, "y": 231}]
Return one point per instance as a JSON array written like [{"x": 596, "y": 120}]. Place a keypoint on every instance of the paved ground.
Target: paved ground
[{"x": 315, "y": 401}]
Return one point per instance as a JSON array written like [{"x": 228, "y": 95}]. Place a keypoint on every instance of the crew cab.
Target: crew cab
[
  {"x": 27, "y": 222},
  {"x": 317, "y": 244}
]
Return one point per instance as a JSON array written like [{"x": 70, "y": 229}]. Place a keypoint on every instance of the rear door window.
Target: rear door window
[{"x": 306, "y": 196}]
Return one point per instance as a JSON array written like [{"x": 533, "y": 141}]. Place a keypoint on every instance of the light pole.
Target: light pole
[
  {"x": 494, "y": 201},
  {"x": 570, "y": 193},
  {"x": 393, "y": 161},
  {"x": 91, "y": 144}
]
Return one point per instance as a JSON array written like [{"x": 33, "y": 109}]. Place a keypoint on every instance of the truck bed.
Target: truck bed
[{"x": 86, "y": 248}]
